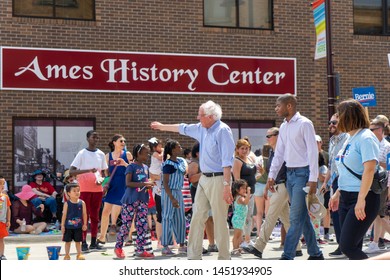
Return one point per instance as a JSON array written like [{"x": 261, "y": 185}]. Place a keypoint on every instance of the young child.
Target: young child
[
  {"x": 74, "y": 220},
  {"x": 172, "y": 201},
  {"x": 5, "y": 217},
  {"x": 152, "y": 215},
  {"x": 67, "y": 179},
  {"x": 135, "y": 204},
  {"x": 241, "y": 195},
  {"x": 155, "y": 174}
]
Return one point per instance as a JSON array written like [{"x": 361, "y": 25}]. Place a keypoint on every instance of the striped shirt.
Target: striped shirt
[{"x": 176, "y": 171}]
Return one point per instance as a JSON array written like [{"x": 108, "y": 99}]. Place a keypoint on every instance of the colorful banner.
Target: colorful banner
[
  {"x": 96, "y": 71},
  {"x": 319, "y": 22}
]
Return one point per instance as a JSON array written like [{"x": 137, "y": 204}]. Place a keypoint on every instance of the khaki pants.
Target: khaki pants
[
  {"x": 278, "y": 208},
  {"x": 209, "y": 195}
]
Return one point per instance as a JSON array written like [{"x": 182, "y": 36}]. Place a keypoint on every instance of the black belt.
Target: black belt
[
  {"x": 295, "y": 168},
  {"x": 280, "y": 182},
  {"x": 213, "y": 174}
]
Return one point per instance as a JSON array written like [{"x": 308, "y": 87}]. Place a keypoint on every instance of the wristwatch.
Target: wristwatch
[{"x": 225, "y": 183}]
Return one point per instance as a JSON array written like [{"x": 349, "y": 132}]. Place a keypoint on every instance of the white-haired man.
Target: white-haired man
[{"x": 214, "y": 187}]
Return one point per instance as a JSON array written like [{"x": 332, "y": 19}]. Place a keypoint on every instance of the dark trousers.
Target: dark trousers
[
  {"x": 352, "y": 229},
  {"x": 335, "y": 214}
]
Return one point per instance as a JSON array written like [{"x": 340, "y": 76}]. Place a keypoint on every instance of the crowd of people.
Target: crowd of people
[{"x": 260, "y": 190}]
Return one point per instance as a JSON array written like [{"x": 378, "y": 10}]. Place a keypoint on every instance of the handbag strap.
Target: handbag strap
[
  {"x": 352, "y": 172},
  {"x": 345, "y": 150}
]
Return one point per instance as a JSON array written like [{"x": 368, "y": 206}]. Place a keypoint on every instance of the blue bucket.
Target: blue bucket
[
  {"x": 22, "y": 252},
  {"x": 53, "y": 252}
]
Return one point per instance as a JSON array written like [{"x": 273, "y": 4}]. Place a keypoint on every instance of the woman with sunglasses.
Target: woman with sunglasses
[
  {"x": 118, "y": 159},
  {"x": 356, "y": 204}
]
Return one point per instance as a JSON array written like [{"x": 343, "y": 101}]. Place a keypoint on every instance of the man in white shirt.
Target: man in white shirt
[
  {"x": 296, "y": 146},
  {"x": 381, "y": 225}
]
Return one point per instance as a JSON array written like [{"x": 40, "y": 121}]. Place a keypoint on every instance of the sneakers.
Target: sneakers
[
  {"x": 372, "y": 248},
  {"x": 381, "y": 243},
  {"x": 336, "y": 253},
  {"x": 3, "y": 258},
  {"x": 84, "y": 247},
  {"x": 320, "y": 257},
  {"x": 66, "y": 258},
  {"x": 144, "y": 255},
  {"x": 212, "y": 248},
  {"x": 298, "y": 253},
  {"x": 246, "y": 244},
  {"x": 252, "y": 250},
  {"x": 80, "y": 257},
  {"x": 204, "y": 251},
  {"x": 327, "y": 237},
  {"x": 321, "y": 241},
  {"x": 182, "y": 250},
  {"x": 119, "y": 253},
  {"x": 95, "y": 247},
  {"x": 166, "y": 251}
]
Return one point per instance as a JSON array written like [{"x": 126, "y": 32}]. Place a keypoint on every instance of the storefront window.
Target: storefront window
[
  {"x": 62, "y": 9},
  {"x": 46, "y": 144},
  {"x": 255, "y": 130},
  {"x": 255, "y": 14},
  {"x": 371, "y": 17}
]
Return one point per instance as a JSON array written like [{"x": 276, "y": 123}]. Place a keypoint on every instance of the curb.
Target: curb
[{"x": 27, "y": 238}]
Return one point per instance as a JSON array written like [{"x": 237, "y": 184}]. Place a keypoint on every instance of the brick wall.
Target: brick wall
[{"x": 177, "y": 27}]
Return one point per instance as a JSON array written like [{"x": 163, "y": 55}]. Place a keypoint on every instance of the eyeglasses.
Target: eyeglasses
[
  {"x": 122, "y": 141},
  {"x": 269, "y": 136},
  {"x": 333, "y": 122},
  {"x": 375, "y": 128}
]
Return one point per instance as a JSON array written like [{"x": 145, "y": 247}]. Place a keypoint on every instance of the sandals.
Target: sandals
[{"x": 236, "y": 253}]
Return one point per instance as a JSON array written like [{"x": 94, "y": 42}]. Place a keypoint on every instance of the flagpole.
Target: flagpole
[{"x": 329, "y": 62}]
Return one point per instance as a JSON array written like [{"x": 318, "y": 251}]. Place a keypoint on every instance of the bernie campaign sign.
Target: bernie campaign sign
[{"x": 365, "y": 95}]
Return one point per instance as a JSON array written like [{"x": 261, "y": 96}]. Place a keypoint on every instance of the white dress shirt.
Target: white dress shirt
[{"x": 296, "y": 146}]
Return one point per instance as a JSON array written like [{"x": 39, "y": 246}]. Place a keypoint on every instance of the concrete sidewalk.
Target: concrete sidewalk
[{"x": 38, "y": 243}]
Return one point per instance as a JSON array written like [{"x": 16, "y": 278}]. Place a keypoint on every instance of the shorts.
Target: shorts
[
  {"x": 383, "y": 203},
  {"x": 3, "y": 230},
  {"x": 259, "y": 190},
  {"x": 73, "y": 234},
  {"x": 326, "y": 199},
  {"x": 152, "y": 210}
]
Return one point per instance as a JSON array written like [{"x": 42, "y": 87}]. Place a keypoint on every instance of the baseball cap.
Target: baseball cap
[{"x": 315, "y": 207}]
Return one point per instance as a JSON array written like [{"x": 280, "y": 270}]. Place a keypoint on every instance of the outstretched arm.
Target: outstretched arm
[{"x": 165, "y": 127}]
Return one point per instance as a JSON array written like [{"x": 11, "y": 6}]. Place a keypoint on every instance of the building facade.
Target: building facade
[{"x": 45, "y": 128}]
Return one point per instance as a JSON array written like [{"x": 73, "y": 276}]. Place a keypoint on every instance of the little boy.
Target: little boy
[
  {"x": 74, "y": 220},
  {"x": 5, "y": 217}
]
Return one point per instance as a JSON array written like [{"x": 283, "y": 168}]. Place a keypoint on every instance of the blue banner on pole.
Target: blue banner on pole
[{"x": 365, "y": 95}]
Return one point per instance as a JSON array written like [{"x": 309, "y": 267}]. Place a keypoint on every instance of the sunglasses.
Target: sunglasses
[
  {"x": 332, "y": 122},
  {"x": 122, "y": 141},
  {"x": 269, "y": 136},
  {"x": 375, "y": 128}
]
